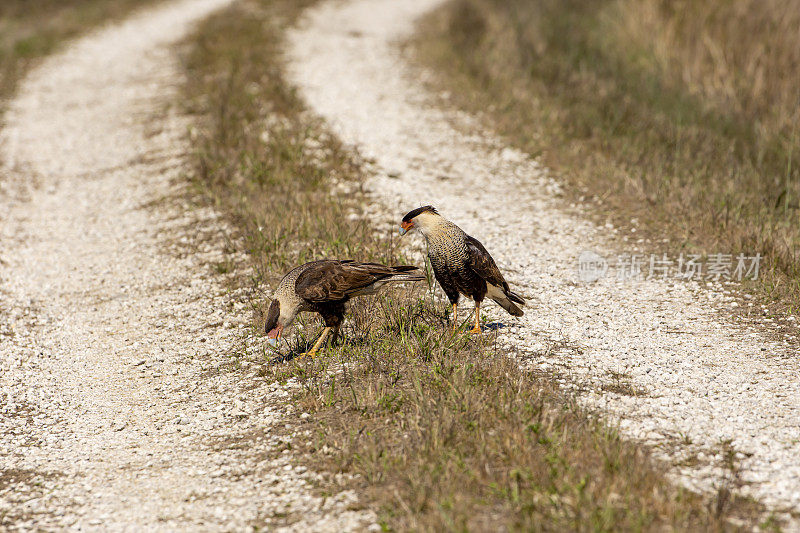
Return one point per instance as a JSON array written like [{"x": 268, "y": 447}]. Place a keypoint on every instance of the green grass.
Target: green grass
[
  {"x": 682, "y": 116},
  {"x": 435, "y": 431}
]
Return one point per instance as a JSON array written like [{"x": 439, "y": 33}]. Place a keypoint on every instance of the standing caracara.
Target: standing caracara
[
  {"x": 324, "y": 287},
  {"x": 461, "y": 264}
]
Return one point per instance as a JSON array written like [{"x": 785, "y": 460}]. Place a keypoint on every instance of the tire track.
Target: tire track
[{"x": 119, "y": 406}]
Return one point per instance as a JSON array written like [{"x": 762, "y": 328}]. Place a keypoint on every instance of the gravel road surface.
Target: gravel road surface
[{"x": 119, "y": 406}]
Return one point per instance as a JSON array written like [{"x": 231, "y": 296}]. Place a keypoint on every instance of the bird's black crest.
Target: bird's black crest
[
  {"x": 417, "y": 211},
  {"x": 272, "y": 316}
]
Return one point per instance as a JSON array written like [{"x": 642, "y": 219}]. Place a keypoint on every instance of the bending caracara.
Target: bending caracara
[
  {"x": 324, "y": 287},
  {"x": 461, "y": 264}
]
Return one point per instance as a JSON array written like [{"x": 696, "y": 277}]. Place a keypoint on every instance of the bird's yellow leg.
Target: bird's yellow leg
[
  {"x": 314, "y": 349},
  {"x": 477, "y": 327},
  {"x": 454, "y": 317}
]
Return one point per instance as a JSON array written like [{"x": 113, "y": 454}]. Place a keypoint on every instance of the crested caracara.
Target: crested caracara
[
  {"x": 324, "y": 287},
  {"x": 461, "y": 264}
]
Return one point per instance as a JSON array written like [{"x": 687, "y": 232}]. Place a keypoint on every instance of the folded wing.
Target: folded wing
[
  {"x": 482, "y": 264},
  {"x": 329, "y": 281}
]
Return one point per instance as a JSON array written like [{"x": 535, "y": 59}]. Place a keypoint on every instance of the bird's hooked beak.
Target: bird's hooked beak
[
  {"x": 405, "y": 227},
  {"x": 272, "y": 325}
]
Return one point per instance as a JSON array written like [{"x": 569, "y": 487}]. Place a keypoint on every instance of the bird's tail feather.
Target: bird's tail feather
[
  {"x": 509, "y": 306},
  {"x": 407, "y": 273},
  {"x": 514, "y": 297}
]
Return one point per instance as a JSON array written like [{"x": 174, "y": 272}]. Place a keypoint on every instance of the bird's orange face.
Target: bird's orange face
[
  {"x": 405, "y": 227},
  {"x": 275, "y": 333}
]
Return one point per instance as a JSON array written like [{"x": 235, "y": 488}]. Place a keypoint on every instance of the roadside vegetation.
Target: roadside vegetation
[
  {"x": 681, "y": 119},
  {"x": 31, "y": 29},
  {"x": 435, "y": 431}
]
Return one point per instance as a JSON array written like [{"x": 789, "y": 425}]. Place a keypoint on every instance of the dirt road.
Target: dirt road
[
  {"x": 120, "y": 408},
  {"x": 698, "y": 382}
]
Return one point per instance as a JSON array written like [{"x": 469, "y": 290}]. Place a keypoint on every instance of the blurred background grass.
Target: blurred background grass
[
  {"x": 30, "y": 29},
  {"x": 681, "y": 115}
]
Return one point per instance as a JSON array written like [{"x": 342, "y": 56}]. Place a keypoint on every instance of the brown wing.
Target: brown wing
[
  {"x": 328, "y": 281},
  {"x": 480, "y": 262}
]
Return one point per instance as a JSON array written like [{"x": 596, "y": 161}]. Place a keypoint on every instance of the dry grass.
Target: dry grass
[
  {"x": 681, "y": 115},
  {"x": 441, "y": 431},
  {"x": 31, "y": 29},
  {"x": 446, "y": 433}
]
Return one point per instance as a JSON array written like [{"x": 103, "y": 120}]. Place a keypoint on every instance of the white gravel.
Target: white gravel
[
  {"x": 706, "y": 380},
  {"x": 119, "y": 408}
]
